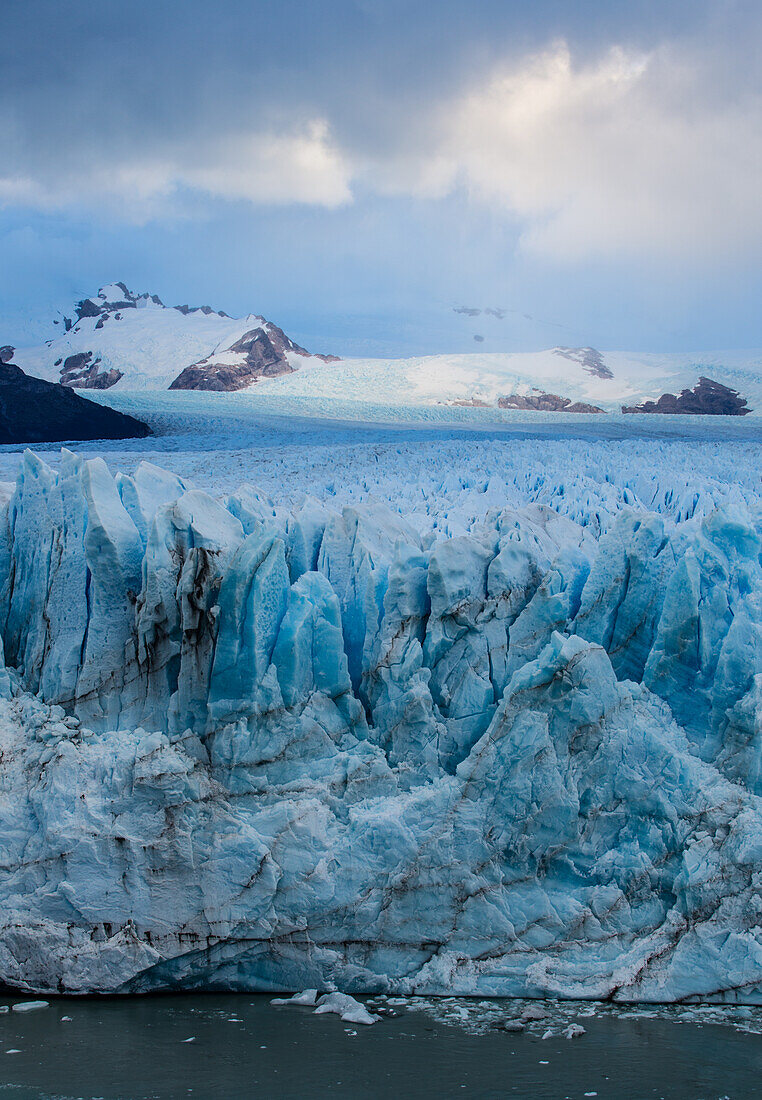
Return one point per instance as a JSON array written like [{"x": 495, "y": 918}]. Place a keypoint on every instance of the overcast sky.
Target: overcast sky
[{"x": 357, "y": 170}]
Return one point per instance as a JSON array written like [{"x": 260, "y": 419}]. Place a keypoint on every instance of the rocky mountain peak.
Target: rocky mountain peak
[
  {"x": 113, "y": 299},
  {"x": 134, "y": 339}
]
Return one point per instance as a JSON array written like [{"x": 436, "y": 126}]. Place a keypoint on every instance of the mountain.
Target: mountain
[
  {"x": 260, "y": 353},
  {"x": 566, "y": 379},
  {"x": 35, "y": 411},
  {"x": 133, "y": 341},
  {"x": 125, "y": 341}
]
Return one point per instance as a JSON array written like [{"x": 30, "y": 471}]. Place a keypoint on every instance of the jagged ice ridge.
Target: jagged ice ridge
[{"x": 254, "y": 745}]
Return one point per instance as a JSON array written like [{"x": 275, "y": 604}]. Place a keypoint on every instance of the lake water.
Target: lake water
[{"x": 244, "y": 1047}]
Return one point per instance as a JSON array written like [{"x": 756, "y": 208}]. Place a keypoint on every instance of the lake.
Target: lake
[{"x": 242, "y": 1046}]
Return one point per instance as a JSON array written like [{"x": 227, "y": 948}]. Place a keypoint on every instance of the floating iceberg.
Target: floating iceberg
[{"x": 253, "y": 748}]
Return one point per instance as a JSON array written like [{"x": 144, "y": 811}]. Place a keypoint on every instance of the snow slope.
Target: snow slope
[
  {"x": 149, "y": 343},
  {"x": 418, "y": 717},
  {"x": 486, "y": 377}
]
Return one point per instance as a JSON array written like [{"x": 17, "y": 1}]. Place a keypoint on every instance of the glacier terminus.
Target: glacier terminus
[{"x": 262, "y": 740}]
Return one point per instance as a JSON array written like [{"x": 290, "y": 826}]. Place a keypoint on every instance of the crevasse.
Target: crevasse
[{"x": 249, "y": 747}]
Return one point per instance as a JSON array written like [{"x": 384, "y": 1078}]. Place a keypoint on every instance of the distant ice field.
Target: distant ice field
[{"x": 427, "y": 459}]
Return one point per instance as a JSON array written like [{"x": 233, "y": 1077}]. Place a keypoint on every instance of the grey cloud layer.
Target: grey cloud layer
[{"x": 589, "y": 144}]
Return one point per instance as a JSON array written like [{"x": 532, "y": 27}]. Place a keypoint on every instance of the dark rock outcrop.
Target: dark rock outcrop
[
  {"x": 590, "y": 359},
  {"x": 206, "y": 310},
  {"x": 82, "y": 372},
  {"x": 582, "y": 407},
  {"x": 103, "y": 306},
  {"x": 545, "y": 402},
  {"x": 707, "y": 398},
  {"x": 259, "y": 353},
  {"x": 87, "y": 308},
  {"x": 490, "y": 312},
  {"x": 35, "y": 411}
]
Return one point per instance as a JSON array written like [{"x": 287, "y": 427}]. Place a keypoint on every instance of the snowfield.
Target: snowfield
[
  {"x": 125, "y": 341},
  {"x": 485, "y": 377},
  {"x": 291, "y": 704},
  {"x": 150, "y": 345},
  {"x": 141, "y": 344}
]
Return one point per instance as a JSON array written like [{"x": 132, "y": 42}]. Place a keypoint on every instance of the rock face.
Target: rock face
[
  {"x": 259, "y": 353},
  {"x": 34, "y": 411},
  {"x": 116, "y": 298},
  {"x": 707, "y": 397},
  {"x": 243, "y": 748},
  {"x": 545, "y": 402},
  {"x": 589, "y": 358},
  {"x": 81, "y": 371}
]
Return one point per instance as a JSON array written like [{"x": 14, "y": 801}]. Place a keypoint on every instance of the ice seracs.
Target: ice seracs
[{"x": 256, "y": 746}]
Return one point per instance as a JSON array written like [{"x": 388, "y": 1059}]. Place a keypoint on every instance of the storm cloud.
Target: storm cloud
[{"x": 588, "y": 133}]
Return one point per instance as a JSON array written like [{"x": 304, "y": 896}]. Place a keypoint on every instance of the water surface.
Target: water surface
[{"x": 244, "y": 1047}]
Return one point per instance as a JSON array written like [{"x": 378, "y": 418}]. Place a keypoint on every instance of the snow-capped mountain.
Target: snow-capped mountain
[
  {"x": 128, "y": 341},
  {"x": 133, "y": 341},
  {"x": 579, "y": 376}
]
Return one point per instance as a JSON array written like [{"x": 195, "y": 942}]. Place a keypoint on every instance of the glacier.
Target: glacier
[{"x": 501, "y": 738}]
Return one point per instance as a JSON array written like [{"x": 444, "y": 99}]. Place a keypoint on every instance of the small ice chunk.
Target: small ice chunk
[
  {"x": 4, "y": 1009},
  {"x": 573, "y": 1031},
  {"x": 30, "y": 1006},
  {"x": 548, "y": 1034},
  {"x": 350, "y": 1010},
  {"x": 306, "y": 997},
  {"x": 513, "y": 1025},
  {"x": 534, "y": 1012},
  {"x": 192, "y": 1039},
  {"x": 65, "y": 1019},
  {"x": 13, "y": 1050}
]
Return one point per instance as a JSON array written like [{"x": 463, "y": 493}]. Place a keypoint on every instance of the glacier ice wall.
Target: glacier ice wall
[{"x": 244, "y": 746}]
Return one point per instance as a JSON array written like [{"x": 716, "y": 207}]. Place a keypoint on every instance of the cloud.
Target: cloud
[
  {"x": 586, "y": 152},
  {"x": 301, "y": 165},
  {"x": 633, "y": 153},
  {"x": 302, "y": 168}
]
